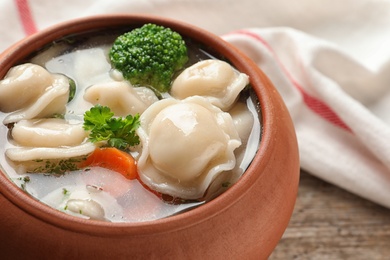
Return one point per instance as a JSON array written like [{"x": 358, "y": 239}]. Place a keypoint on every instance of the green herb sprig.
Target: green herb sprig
[{"x": 118, "y": 132}]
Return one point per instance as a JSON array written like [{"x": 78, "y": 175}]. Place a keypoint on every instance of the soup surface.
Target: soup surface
[{"x": 168, "y": 164}]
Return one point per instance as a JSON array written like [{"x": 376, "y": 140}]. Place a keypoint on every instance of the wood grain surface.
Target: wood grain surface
[{"x": 331, "y": 223}]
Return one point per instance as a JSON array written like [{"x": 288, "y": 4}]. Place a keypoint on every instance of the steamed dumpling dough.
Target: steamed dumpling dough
[
  {"x": 21, "y": 86},
  {"x": 38, "y": 141},
  {"x": 81, "y": 200},
  {"x": 185, "y": 145},
  {"x": 31, "y": 91},
  {"x": 120, "y": 97},
  {"x": 24, "y": 154},
  {"x": 50, "y": 132},
  {"x": 215, "y": 80}
]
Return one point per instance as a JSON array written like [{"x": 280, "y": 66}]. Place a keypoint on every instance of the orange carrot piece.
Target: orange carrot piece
[{"x": 113, "y": 159}]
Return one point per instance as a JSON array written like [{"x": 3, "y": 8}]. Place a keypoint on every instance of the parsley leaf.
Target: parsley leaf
[{"x": 118, "y": 132}]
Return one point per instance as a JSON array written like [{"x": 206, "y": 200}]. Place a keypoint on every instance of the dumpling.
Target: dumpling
[
  {"x": 49, "y": 132},
  {"x": 22, "y": 85},
  {"x": 121, "y": 97},
  {"x": 86, "y": 207},
  {"x": 215, "y": 80},
  {"x": 185, "y": 145},
  {"x": 31, "y": 91},
  {"x": 243, "y": 120},
  {"x": 91, "y": 66},
  {"x": 82, "y": 201},
  {"x": 22, "y": 154},
  {"x": 48, "y": 145}
]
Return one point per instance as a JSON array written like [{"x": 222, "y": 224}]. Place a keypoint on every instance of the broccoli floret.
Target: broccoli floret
[{"x": 149, "y": 56}]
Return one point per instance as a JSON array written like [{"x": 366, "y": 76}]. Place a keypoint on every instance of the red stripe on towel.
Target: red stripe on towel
[
  {"x": 26, "y": 17},
  {"x": 311, "y": 102}
]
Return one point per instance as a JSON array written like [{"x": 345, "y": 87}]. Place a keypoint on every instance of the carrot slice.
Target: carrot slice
[{"x": 113, "y": 159}]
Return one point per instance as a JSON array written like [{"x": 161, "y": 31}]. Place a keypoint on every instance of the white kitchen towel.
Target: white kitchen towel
[{"x": 330, "y": 60}]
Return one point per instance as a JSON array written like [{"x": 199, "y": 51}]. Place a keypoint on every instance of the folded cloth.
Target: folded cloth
[{"x": 329, "y": 61}]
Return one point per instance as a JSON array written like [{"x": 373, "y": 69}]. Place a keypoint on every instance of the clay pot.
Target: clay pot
[{"x": 245, "y": 222}]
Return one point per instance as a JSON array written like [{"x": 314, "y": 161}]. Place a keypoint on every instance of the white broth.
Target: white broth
[{"x": 102, "y": 194}]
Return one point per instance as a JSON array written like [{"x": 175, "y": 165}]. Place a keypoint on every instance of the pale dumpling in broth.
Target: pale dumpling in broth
[
  {"x": 40, "y": 142},
  {"x": 30, "y": 91},
  {"x": 122, "y": 98},
  {"x": 83, "y": 200},
  {"x": 186, "y": 144},
  {"x": 24, "y": 154},
  {"x": 22, "y": 85},
  {"x": 48, "y": 132},
  {"x": 215, "y": 80}
]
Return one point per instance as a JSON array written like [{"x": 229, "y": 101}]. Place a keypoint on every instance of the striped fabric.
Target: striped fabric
[{"x": 26, "y": 18}]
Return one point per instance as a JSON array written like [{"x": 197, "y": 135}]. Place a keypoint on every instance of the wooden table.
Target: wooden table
[{"x": 331, "y": 223}]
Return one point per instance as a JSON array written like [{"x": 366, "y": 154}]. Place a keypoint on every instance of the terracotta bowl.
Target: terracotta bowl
[{"x": 245, "y": 222}]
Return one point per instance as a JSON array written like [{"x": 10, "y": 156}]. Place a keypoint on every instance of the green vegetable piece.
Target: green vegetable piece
[
  {"x": 57, "y": 166},
  {"x": 118, "y": 132},
  {"x": 72, "y": 89},
  {"x": 149, "y": 56}
]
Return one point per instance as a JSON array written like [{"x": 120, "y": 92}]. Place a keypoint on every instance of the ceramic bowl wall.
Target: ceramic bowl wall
[{"x": 245, "y": 222}]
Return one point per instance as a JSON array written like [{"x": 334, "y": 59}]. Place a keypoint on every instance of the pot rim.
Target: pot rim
[{"x": 258, "y": 80}]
